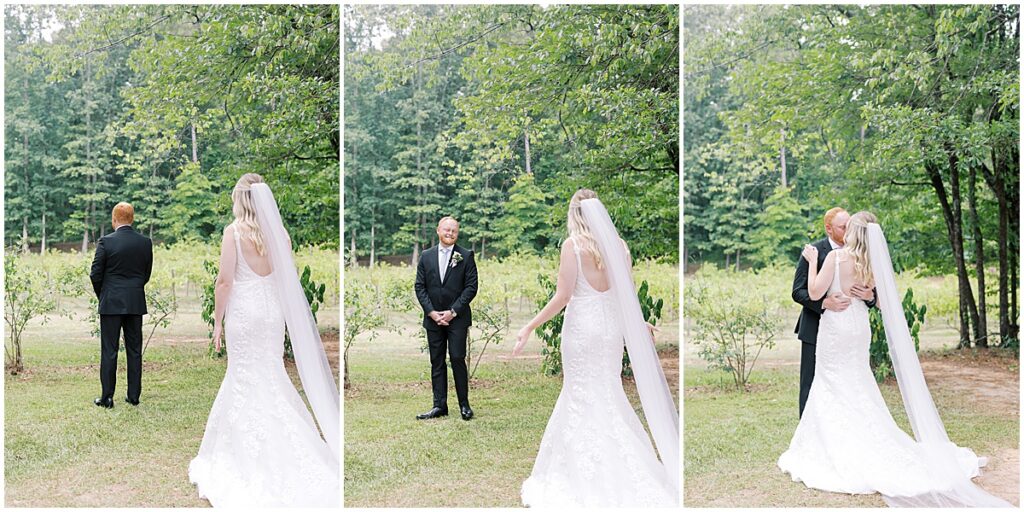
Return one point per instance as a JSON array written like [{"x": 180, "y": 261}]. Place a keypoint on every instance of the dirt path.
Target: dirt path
[{"x": 993, "y": 381}]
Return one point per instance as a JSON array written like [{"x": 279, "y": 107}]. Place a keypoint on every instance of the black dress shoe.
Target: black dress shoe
[
  {"x": 467, "y": 413},
  {"x": 104, "y": 402},
  {"x": 436, "y": 412},
  {"x": 129, "y": 400}
]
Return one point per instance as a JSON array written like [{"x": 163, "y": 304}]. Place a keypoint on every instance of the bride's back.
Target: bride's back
[
  {"x": 847, "y": 272},
  {"x": 260, "y": 264},
  {"x": 596, "y": 277}
]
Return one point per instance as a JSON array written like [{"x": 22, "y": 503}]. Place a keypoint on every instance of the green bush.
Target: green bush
[
  {"x": 550, "y": 332},
  {"x": 651, "y": 310},
  {"x": 732, "y": 321},
  {"x": 314, "y": 297},
  {"x": 27, "y": 295},
  {"x": 208, "y": 303},
  {"x": 881, "y": 363}
]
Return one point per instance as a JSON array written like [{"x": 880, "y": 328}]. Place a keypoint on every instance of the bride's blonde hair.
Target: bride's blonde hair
[
  {"x": 857, "y": 245},
  {"x": 245, "y": 214},
  {"x": 579, "y": 231}
]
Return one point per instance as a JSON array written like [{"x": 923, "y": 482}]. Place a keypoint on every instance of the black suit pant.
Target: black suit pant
[
  {"x": 111, "y": 327},
  {"x": 806, "y": 372},
  {"x": 450, "y": 339}
]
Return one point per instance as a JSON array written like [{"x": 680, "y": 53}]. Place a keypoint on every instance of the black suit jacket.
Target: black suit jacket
[
  {"x": 455, "y": 292},
  {"x": 120, "y": 271},
  {"x": 810, "y": 315}
]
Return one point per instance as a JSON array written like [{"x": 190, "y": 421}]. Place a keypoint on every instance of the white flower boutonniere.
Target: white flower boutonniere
[{"x": 456, "y": 258}]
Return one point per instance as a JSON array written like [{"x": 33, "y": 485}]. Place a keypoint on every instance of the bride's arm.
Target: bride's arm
[
  {"x": 563, "y": 292},
  {"x": 818, "y": 283},
  {"x": 225, "y": 278}
]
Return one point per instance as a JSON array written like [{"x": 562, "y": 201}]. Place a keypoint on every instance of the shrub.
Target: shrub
[
  {"x": 881, "y": 363},
  {"x": 27, "y": 295},
  {"x": 732, "y": 322}
]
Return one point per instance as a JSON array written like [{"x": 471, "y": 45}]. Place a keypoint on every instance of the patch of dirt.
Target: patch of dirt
[
  {"x": 332, "y": 345},
  {"x": 669, "y": 357},
  {"x": 991, "y": 380},
  {"x": 727, "y": 388},
  {"x": 85, "y": 369},
  {"x": 1001, "y": 476},
  {"x": 991, "y": 377}
]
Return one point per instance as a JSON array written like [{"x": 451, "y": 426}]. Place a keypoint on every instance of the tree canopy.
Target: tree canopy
[
  {"x": 911, "y": 112},
  {"x": 165, "y": 106},
  {"x": 497, "y": 114}
]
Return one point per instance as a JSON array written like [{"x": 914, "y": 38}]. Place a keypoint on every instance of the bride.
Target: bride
[
  {"x": 847, "y": 441},
  {"x": 261, "y": 447},
  {"x": 595, "y": 452}
]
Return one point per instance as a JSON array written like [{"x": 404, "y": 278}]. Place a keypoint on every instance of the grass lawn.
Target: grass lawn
[
  {"x": 62, "y": 451},
  {"x": 393, "y": 460},
  {"x": 732, "y": 440}
]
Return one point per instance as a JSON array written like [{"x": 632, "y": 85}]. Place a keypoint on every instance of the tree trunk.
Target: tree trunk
[
  {"x": 782, "y": 157},
  {"x": 981, "y": 326},
  {"x": 952, "y": 215},
  {"x": 373, "y": 245},
  {"x": 42, "y": 245},
  {"x": 526, "y": 143},
  {"x": 91, "y": 207},
  {"x": 997, "y": 184},
  {"x": 24, "y": 235},
  {"x": 352, "y": 258},
  {"x": 348, "y": 383},
  {"x": 195, "y": 146}
]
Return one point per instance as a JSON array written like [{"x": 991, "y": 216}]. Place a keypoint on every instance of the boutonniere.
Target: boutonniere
[{"x": 456, "y": 258}]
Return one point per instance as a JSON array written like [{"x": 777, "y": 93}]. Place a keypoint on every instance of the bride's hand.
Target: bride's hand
[
  {"x": 652, "y": 329},
  {"x": 521, "y": 338},
  {"x": 218, "y": 330},
  {"x": 810, "y": 254}
]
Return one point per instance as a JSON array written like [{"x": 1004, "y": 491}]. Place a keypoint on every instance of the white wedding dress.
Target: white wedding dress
[
  {"x": 847, "y": 441},
  {"x": 595, "y": 452},
  {"x": 261, "y": 447}
]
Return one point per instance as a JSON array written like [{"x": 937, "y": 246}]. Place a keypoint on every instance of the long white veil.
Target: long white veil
[
  {"x": 310, "y": 359},
  {"x": 953, "y": 466},
  {"x": 658, "y": 405}
]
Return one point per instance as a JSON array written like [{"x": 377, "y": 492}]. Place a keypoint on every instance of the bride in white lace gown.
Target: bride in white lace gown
[
  {"x": 595, "y": 452},
  {"x": 261, "y": 447},
  {"x": 847, "y": 440}
]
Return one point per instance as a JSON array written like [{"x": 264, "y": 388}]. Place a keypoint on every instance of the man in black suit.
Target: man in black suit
[
  {"x": 807, "y": 324},
  {"x": 120, "y": 271},
  {"x": 446, "y": 283}
]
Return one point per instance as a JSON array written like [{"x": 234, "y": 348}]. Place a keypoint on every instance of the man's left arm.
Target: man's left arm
[
  {"x": 149, "y": 260},
  {"x": 469, "y": 290},
  {"x": 99, "y": 264}
]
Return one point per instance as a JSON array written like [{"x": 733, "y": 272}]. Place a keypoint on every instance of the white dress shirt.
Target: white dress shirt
[{"x": 443, "y": 254}]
